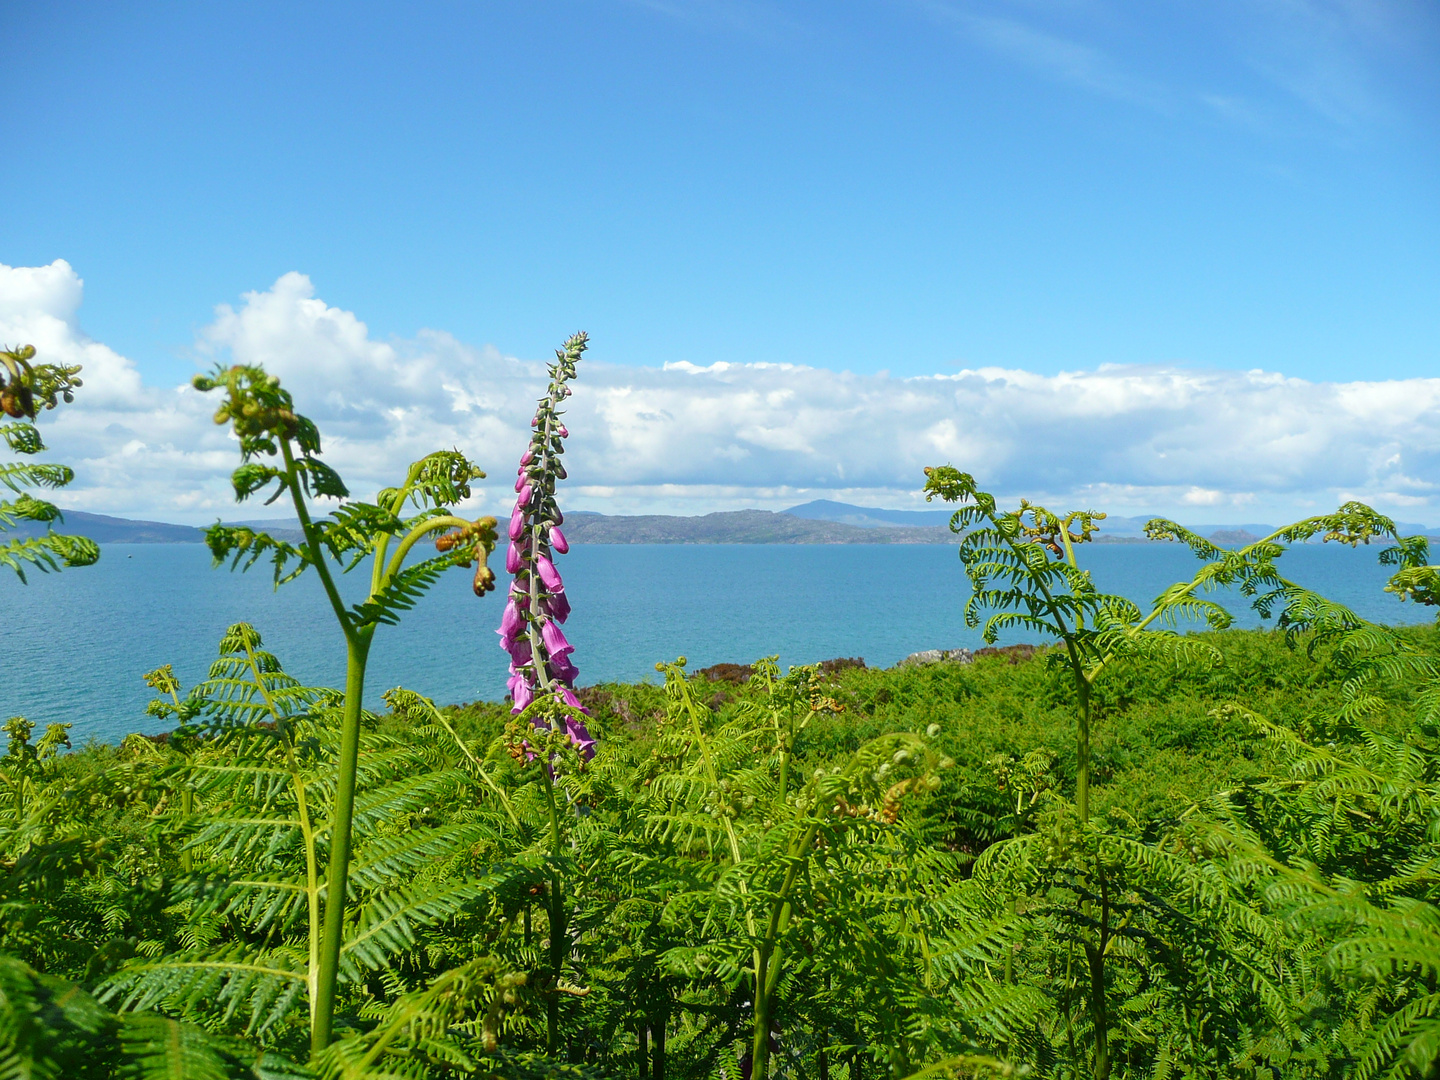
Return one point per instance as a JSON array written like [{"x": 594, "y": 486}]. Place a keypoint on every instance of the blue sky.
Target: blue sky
[
  {"x": 1174, "y": 257},
  {"x": 908, "y": 186}
]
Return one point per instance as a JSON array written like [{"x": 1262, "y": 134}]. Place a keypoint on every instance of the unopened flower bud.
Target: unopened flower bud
[{"x": 484, "y": 580}]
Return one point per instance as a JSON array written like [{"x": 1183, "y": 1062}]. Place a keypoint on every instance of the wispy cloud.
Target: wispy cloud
[
  {"x": 1342, "y": 60},
  {"x": 689, "y": 439},
  {"x": 1063, "y": 58},
  {"x": 1331, "y": 60}
]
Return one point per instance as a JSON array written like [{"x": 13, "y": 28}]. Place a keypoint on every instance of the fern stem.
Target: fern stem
[
  {"x": 414, "y": 536},
  {"x": 382, "y": 542},
  {"x": 357, "y": 652},
  {"x": 1077, "y": 667},
  {"x": 657, "y": 1055},
  {"x": 1099, "y": 1012},
  {"x": 770, "y": 956},
  {"x": 312, "y": 541}
]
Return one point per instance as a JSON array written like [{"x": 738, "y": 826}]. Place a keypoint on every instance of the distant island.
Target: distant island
[
  {"x": 742, "y": 527},
  {"x": 819, "y": 522}
]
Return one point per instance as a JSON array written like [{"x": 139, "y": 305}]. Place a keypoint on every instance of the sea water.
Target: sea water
[{"x": 77, "y": 643}]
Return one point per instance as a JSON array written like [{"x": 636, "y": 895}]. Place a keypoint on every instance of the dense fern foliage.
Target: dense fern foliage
[{"x": 1269, "y": 866}]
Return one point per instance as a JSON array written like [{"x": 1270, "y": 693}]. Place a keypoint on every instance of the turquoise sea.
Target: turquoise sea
[{"x": 83, "y": 638}]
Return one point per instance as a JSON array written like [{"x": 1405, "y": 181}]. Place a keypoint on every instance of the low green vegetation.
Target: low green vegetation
[{"x": 1284, "y": 848}]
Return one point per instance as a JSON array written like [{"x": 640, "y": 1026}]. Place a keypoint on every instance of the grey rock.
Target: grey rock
[{"x": 938, "y": 656}]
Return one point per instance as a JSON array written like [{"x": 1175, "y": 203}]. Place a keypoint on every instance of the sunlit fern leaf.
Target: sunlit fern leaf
[
  {"x": 350, "y": 530},
  {"x": 403, "y": 591},
  {"x": 22, "y": 438},
  {"x": 48, "y": 553},
  {"x": 260, "y": 985},
  {"x": 453, "y": 1026},
  {"x": 388, "y": 860},
  {"x": 390, "y": 921},
  {"x": 18, "y": 475},
  {"x": 28, "y": 508},
  {"x": 1407, "y": 1041},
  {"x": 441, "y": 479}
]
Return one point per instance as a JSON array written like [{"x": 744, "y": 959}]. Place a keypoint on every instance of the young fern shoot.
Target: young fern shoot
[
  {"x": 279, "y": 447},
  {"x": 25, "y": 390},
  {"x": 1026, "y": 574}
]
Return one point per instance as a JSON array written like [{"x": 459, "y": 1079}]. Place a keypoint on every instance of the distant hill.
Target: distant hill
[
  {"x": 104, "y": 529},
  {"x": 818, "y": 522},
  {"x": 738, "y": 527},
  {"x": 869, "y": 517},
  {"x": 1113, "y": 527}
]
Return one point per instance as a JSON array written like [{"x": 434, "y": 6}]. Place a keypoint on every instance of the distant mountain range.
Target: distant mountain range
[
  {"x": 741, "y": 527},
  {"x": 869, "y": 517},
  {"x": 104, "y": 529},
  {"x": 818, "y": 522},
  {"x": 1114, "y": 526}
]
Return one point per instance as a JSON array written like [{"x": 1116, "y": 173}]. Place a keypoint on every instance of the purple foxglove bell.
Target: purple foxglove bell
[
  {"x": 557, "y": 607},
  {"x": 524, "y": 694},
  {"x": 562, "y": 670},
  {"x": 564, "y": 434},
  {"x": 519, "y": 480},
  {"x": 558, "y": 541},
  {"x": 557, "y": 517},
  {"x": 580, "y": 735},
  {"x": 512, "y": 623},
  {"x": 517, "y": 523},
  {"x": 549, "y": 576},
  {"x": 526, "y": 458},
  {"x": 513, "y": 558},
  {"x": 519, "y": 651},
  {"x": 523, "y": 499},
  {"x": 554, "y": 639}
]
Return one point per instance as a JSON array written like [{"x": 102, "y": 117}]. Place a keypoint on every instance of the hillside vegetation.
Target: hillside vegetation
[{"x": 907, "y": 943}]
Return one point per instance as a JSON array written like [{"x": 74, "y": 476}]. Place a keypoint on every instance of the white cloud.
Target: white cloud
[
  {"x": 687, "y": 439},
  {"x": 1203, "y": 497}
]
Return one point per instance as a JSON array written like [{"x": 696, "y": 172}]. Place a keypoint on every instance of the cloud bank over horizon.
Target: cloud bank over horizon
[{"x": 1216, "y": 446}]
